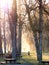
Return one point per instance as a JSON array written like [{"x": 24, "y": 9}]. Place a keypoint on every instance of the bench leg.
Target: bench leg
[
  {"x": 48, "y": 63},
  {"x": 14, "y": 61},
  {"x": 10, "y": 61},
  {"x": 6, "y": 62},
  {"x": 43, "y": 63}
]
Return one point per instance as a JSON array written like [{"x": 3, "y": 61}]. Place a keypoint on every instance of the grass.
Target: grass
[
  {"x": 31, "y": 59},
  {"x": 45, "y": 56},
  {"x": 1, "y": 59}
]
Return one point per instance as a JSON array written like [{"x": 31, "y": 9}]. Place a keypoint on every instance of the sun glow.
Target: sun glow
[{"x": 4, "y": 3}]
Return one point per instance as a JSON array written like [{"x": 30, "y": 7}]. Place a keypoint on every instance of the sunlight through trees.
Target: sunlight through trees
[{"x": 24, "y": 26}]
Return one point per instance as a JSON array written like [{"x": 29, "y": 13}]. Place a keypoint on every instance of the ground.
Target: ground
[{"x": 29, "y": 60}]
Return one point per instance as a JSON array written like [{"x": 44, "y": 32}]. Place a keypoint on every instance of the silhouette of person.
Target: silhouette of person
[{"x": 28, "y": 53}]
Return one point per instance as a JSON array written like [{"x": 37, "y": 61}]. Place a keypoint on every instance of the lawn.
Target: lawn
[{"x": 31, "y": 59}]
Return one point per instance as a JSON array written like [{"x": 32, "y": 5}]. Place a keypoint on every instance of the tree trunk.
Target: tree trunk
[
  {"x": 14, "y": 20},
  {"x": 13, "y": 36},
  {"x": 40, "y": 30},
  {"x": 0, "y": 35},
  {"x": 19, "y": 39},
  {"x": 36, "y": 44},
  {"x": 4, "y": 34},
  {"x": 0, "y": 40},
  {"x": 12, "y": 23},
  {"x": 14, "y": 42}
]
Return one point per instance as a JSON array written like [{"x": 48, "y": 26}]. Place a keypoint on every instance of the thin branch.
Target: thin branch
[{"x": 45, "y": 11}]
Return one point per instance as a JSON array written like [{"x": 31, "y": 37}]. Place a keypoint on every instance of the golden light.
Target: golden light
[
  {"x": 25, "y": 46},
  {"x": 4, "y": 3}
]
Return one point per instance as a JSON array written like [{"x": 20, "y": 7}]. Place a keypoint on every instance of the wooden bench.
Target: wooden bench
[
  {"x": 43, "y": 62},
  {"x": 10, "y": 60}
]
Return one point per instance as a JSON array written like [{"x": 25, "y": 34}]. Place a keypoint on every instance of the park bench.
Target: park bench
[
  {"x": 43, "y": 62},
  {"x": 10, "y": 60}
]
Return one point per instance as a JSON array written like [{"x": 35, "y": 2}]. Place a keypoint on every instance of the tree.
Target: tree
[
  {"x": 34, "y": 29},
  {"x": 13, "y": 22},
  {"x": 40, "y": 31},
  {"x": 0, "y": 35},
  {"x": 19, "y": 33},
  {"x": 4, "y": 35},
  {"x": 36, "y": 23}
]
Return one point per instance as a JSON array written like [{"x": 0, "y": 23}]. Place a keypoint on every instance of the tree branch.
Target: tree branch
[{"x": 45, "y": 11}]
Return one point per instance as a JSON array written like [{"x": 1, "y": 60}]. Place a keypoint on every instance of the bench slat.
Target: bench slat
[{"x": 10, "y": 60}]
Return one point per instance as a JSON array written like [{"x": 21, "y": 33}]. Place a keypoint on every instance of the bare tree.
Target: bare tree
[
  {"x": 12, "y": 18},
  {"x": 14, "y": 21}
]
